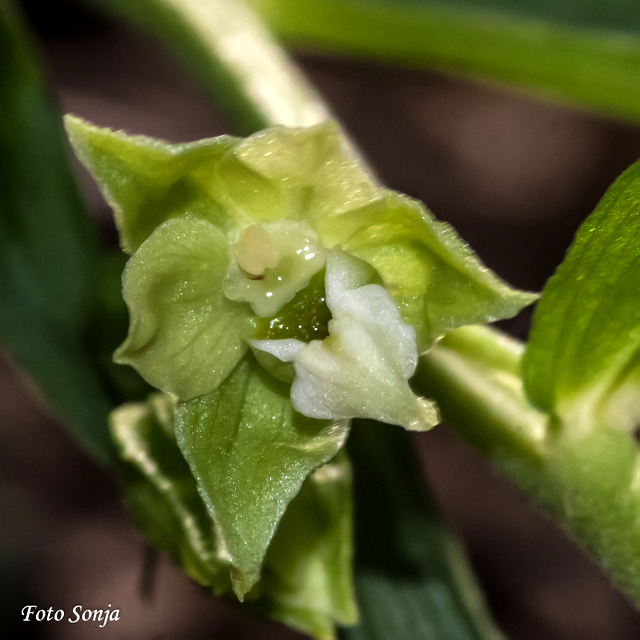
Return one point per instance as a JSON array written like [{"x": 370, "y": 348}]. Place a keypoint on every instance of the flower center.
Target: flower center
[
  {"x": 256, "y": 251},
  {"x": 271, "y": 262}
]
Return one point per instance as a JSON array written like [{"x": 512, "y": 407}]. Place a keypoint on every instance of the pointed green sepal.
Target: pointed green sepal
[
  {"x": 435, "y": 278},
  {"x": 250, "y": 453},
  {"x": 148, "y": 181}
]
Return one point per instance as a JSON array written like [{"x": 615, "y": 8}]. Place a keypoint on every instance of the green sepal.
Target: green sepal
[
  {"x": 161, "y": 493},
  {"x": 307, "y": 580},
  {"x": 434, "y": 277},
  {"x": 299, "y": 174},
  {"x": 250, "y": 453},
  {"x": 185, "y": 336},
  {"x": 585, "y": 335},
  {"x": 147, "y": 181}
]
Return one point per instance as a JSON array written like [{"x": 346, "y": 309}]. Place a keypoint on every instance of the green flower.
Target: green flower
[{"x": 276, "y": 292}]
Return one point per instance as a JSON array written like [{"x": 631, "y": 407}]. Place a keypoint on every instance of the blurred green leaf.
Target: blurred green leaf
[
  {"x": 47, "y": 247},
  {"x": 250, "y": 453},
  {"x": 306, "y": 579},
  {"x": 585, "y": 53},
  {"x": 412, "y": 579},
  {"x": 585, "y": 338},
  {"x": 161, "y": 492}
]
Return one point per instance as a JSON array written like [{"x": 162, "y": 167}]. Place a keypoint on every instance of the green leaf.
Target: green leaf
[
  {"x": 250, "y": 453},
  {"x": 299, "y": 174},
  {"x": 586, "y": 479},
  {"x": 434, "y": 277},
  {"x": 148, "y": 181},
  {"x": 586, "y": 330},
  {"x": 161, "y": 493},
  {"x": 581, "y": 53},
  {"x": 412, "y": 579},
  {"x": 582, "y": 365},
  {"x": 307, "y": 580},
  {"x": 185, "y": 336},
  {"x": 47, "y": 248}
]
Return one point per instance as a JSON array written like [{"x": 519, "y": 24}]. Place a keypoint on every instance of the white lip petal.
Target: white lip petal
[
  {"x": 284, "y": 350},
  {"x": 363, "y": 368}
]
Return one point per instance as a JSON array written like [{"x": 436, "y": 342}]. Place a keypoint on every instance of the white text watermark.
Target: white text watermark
[{"x": 31, "y": 613}]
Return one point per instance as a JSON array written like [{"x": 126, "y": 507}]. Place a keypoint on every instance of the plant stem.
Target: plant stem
[
  {"x": 233, "y": 56},
  {"x": 474, "y": 374}
]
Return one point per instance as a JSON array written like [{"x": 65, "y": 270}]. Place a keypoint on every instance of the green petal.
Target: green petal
[
  {"x": 148, "y": 181},
  {"x": 434, "y": 277},
  {"x": 300, "y": 174},
  {"x": 184, "y": 336},
  {"x": 250, "y": 453}
]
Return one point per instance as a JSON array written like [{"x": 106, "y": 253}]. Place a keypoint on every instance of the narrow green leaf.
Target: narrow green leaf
[
  {"x": 412, "y": 579},
  {"x": 582, "y": 53},
  {"x": 434, "y": 277},
  {"x": 148, "y": 181},
  {"x": 250, "y": 453},
  {"x": 47, "y": 247},
  {"x": 586, "y": 330},
  {"x": 185, "y": 335}
]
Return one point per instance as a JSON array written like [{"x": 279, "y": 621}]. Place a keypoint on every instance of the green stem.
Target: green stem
[
  {"x": 231, "y": 53},
  {"x": 474, "y": 375}
]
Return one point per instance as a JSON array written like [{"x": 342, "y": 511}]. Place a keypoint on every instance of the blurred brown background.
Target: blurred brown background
[{"x": 515, "y": 176}]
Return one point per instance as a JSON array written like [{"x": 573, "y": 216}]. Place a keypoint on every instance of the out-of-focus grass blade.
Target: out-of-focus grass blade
[
  {"x": 47, "y": 246},
  {"x": 412, "y": 579},
  {"x": 578, "y": 52}
]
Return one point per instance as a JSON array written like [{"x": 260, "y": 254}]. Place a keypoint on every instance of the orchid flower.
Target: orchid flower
[{"x": 275, "y": 293}]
